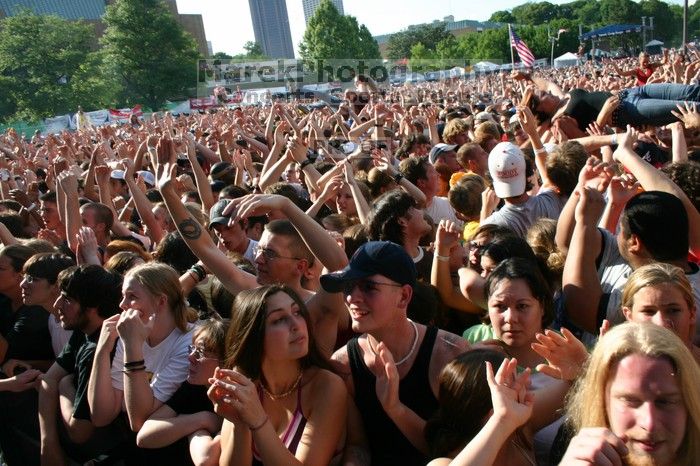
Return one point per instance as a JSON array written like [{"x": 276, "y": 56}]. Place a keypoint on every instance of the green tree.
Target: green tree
[
  {"x": 148, "y": 53},
  {"x": 502, "y": 16},
  {"x": 331, "y": 35},
  {"x": 399, "y": 44},
  {"x": 535, "y": 13},
  {"x": 253, "y": 50},
  {"x": 221, "y": 56},
  {"x": 44, "y": 66}
]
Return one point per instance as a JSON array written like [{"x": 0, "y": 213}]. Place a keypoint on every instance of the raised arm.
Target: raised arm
[
  {"x": 143, "y": 205},
  {"x": 68, "y": 184},
  {"x": 191, "y": 231},
  {"x": 203, "y": 186},
  {"x": 652, "y": 179},
  {"x": 105, "y": 401},
  {"x": 446, "y": 239},
  {"x": 580, "y": 283}
]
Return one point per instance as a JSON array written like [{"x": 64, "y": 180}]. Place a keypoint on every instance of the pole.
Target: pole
[
  {"x": 551, "y": 62},
  {"x": 685, "y": 23},
  {"x": 510, "y": 43}
]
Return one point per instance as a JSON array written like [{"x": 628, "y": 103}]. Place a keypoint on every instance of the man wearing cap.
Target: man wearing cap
[
  {"x": 231, "y": 234},
  {"x": 444, "y": 154},
  {"x": 508, "y": 170},
  {"x": 392, "y": 368}
]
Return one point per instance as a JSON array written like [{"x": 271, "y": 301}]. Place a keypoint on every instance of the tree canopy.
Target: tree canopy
[
  {"x": 331, "y": 35},
  {"x": 46, "y": 67},
  {"x": 429, "y": 35},
  {"x": 147, "y": 52},
  {"x": 599, "y": 13}
]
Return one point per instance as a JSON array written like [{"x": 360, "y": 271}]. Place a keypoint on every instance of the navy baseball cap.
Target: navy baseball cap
[
  {"x": 373, "y": 258},
  {"x": 216, "y": 216}
]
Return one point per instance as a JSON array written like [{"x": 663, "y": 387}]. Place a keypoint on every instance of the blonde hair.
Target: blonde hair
[
  {"x": 161, "y": 279},
  {"x": 657, "y": 273},
  {"x": 586, "y": 404}
]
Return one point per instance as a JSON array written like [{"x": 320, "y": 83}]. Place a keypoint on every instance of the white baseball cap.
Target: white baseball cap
[{"x": 507, "y": 169}]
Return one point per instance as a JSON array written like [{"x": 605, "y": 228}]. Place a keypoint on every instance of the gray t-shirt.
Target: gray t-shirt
[{"x": 547, "y": 204}]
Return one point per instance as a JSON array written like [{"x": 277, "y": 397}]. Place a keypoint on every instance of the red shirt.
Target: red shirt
[{"x": 643, "y": 74}]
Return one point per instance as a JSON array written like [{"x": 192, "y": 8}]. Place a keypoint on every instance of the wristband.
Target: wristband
[
  {"x": 613, "y": 139},
  {"x": 129, "y": 370},
  {"x": 259, "y": 426},
  {"x": 199, "y": 271},
  {"x": 541, "y": 150},
  {"x": 397, "y": 178},
  {"x": 305, "y": 164},
  {"x": 31, "y": 207},
  {"x": 134, "y": 363},
  {"x": 441, "y": 258}
]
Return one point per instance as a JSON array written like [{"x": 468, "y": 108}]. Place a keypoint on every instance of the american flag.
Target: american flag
[{"x": 523, "y": 50}]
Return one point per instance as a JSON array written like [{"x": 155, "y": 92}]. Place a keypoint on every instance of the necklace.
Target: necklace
[
  {"x": 275, "y": 396},
  {"x": 410, "y": 352}
]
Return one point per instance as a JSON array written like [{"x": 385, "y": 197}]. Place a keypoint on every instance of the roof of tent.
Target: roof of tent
[
  {"x": 612, "y": 30},
  {"x": 654, "y": 43},
  {"x": 567, "y": 56}
]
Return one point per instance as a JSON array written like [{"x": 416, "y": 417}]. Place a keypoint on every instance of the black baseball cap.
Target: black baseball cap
[{"x": 374, "y": 258}]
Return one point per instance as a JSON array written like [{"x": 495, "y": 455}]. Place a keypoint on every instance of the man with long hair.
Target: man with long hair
[{"x": 637, "y": 402}]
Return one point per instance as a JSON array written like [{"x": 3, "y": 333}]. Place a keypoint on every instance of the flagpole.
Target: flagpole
[{"x": 510, "y": 42}]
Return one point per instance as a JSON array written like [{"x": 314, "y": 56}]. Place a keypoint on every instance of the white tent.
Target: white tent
[
  {"x": 568, "y": 59},
  {"x": 485, "y": 66}
]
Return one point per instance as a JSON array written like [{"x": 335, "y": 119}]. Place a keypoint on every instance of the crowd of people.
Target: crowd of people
[{"x": 492, "y": 271}]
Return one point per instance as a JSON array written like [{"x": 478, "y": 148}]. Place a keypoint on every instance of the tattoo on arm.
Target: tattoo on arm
[{"x": 190, "y": 229}]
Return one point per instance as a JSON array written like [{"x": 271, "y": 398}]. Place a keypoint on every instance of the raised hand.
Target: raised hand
[
  {"x": 387, "y": 379},
  {"x": 132, "y": 327},
  {"x": 447, "y": 236},
  {"x": 237, "y": 398},
  {"x": 565, "y": 354},
  {"x": 688, "y": 114},
  {"x": 512, "y": 403}
]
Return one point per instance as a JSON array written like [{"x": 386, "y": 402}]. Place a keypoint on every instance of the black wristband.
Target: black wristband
[
  {"x": 134, "y": 363},
  {"x": 397, "y": 178},
  {"x": 305, "y": 163},
  {"x": 199, "y": 271}
]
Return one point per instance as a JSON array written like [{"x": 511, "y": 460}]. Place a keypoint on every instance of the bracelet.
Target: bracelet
[
  {"x": 305, "y": 164},
  {"x": 397, "y": 178},
  {"x": 31, "y": 207},
  {"x": 378, "y": 126},
  {"x": 134, "y": 363},
  {"x": 129, "y": 370},
  {"x": 613, "y": 139},
  {"x": 259, "y": 426},
  {"x": 541, "y": 150},
  {"x": 199, "y": 271},
  {"x": 441, "y": 258}
]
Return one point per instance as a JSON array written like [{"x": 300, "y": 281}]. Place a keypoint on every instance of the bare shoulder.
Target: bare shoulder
[
  {"x": 450, "y": 345},
  {"x": 447, "y": 347},
  {"x": 340, "y": 362},
  {"x": 326, "y": 382}
]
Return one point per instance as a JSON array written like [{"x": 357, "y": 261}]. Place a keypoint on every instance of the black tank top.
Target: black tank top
[{"x": 387, "y": 444}]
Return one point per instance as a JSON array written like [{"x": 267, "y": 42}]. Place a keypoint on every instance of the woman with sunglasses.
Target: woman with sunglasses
[
  {"x": 188, "y": 417},
  {"x": 280, "y": 401}
]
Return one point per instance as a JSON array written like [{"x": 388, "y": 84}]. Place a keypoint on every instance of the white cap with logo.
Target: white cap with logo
[{"x": 507, "y": 169}]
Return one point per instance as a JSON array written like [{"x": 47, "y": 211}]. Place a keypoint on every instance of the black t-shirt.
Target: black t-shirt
[
  {"x": 585, "y": 106},
  {"x": 76, "y": 358},
  {"x": 190, "y": 399},
  {"x": 26, "y": 332}
]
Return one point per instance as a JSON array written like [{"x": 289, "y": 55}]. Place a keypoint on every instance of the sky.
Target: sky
[{"x": 228, "y": 25}]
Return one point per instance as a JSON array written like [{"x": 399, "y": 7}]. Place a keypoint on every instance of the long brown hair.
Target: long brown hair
[{"x": 246, "y": 334}]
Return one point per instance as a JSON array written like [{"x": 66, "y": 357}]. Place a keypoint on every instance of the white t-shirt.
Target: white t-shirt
[
  {"x": 250, "y": 251},
  {"x": 519, "y": 217},
  {"x": 440, "y": 208},
  {"x": 167, "y": 364},
  {"x": 59, "y": 335}
]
